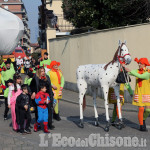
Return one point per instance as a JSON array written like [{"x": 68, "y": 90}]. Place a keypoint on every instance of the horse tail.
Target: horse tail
[{"x": 84, "y": 103}]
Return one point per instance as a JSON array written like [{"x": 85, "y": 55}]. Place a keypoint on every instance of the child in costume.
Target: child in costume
[
  {"x": 7, "y": 75},
  {"x": 42, "y": 99},
  {"x": 8, "y": 84},
  {"x": 14, "y": 92},
  {"x": 142, "y": 90},
  {"x": 112, "y": 100},
  {"x": 2, "y": 83},
  {"x": 23, "y": 110},
  {"x": 46, "y": 61},
  {"x": 57, "y": 81},
  {"x": 27, "y": 81}
]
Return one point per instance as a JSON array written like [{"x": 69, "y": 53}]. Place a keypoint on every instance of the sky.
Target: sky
[{"x": 32, "y": 12}]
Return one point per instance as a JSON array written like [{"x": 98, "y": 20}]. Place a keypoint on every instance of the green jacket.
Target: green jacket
[
  {"x": 144, "y": 76},
  {"x": 8, "y": 74},
  {"x": 3, "y": 65},
  {"x": 45, "y": 62},
  {"x": 28, "y": 81}
]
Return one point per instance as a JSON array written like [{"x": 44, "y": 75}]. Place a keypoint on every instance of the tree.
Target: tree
[{"x": 102, "y": 14}]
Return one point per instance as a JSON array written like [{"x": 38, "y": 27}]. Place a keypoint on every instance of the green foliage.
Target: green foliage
[{"x": 102, "y": 14}]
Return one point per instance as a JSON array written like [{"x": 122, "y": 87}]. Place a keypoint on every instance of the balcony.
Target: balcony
[
  {"x": 64, "y": 26},
  {"x": 16, "y": 11}
]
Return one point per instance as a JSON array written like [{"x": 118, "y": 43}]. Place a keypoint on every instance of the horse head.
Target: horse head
[{"x": 123, "y": 54}]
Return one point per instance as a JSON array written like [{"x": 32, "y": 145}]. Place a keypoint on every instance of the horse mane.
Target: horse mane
[{"x": 114, "y": 58}]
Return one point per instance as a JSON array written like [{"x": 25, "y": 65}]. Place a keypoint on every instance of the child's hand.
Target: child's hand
[
  {"x": 26, "y": 107},
  {"x": 33, "y": 96},
  {"x": 9, "y": 106},
  {"x": 54, "y": 87}
]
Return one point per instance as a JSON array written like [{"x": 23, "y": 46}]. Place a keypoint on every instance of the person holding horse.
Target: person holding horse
[
  {"x": 113, "y": 100},
  {"x": 142, "y": 92}
]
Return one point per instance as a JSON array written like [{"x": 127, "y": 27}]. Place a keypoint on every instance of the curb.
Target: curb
[{"x": 88, "y": 105}]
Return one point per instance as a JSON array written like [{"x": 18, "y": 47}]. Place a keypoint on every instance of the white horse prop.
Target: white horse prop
[{"x": 103, "y": 76}]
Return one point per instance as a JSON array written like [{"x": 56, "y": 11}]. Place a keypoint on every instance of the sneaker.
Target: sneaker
[
  {"x": 28, "y": 131},
  {"x": 5, "y": 118},
  {"x": 22, "y": 132}
]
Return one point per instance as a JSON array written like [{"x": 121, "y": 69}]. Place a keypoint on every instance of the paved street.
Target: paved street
[{"x": 68, "y": 127}]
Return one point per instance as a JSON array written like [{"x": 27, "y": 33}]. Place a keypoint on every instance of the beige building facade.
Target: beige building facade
[{"x": 64, "y": 26}]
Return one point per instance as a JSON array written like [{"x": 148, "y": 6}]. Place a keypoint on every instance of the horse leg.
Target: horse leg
[
  {"x": 117, "y": 93},
  {"x": 82, "y": 90},
  {"x": 94, "y": 90},
  {"x": 105, "y": 91}
]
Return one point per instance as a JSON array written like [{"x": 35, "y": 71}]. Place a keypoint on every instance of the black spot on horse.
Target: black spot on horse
[
  {"x": 80, "y": 84},
  {"x": 108, "y": 82},
  {"x": 106, "y": 73}
]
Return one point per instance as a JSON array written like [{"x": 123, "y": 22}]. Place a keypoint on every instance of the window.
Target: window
[
  {"x": 6, "y": 7},
  {"x": 5, "y": 0},
  {"x": 18, "y": 51}
]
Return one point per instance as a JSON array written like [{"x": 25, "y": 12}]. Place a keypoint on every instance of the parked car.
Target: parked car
[{"x": 19, "y": 52}]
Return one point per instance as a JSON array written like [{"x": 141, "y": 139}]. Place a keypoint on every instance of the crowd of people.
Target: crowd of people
[
  {"x": 42, "y": 89},
  {"x": 39, "y": 94}
]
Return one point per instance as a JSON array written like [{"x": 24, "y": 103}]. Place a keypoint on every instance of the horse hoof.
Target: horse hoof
[
  {"x": 81, "y": 125},
  {"x": 119, "y": 126},
  {"x": 97, "y": 124},
  {"x": 123, "y": 125},
  {"x": 106, "y": 129}
]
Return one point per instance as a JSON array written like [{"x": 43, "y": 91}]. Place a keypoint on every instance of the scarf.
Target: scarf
[
  {"x": 58, "y": 74},
  {"x": 141, "y": 71},
  {"x": 43, "y": 77}
]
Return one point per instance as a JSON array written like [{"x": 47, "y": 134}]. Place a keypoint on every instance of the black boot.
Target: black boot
[
  {"x": 144, "y": 124},
  {"x": 51, "y": 127},
  {"x": 57, "y": 117},
  {"x": 142, "y": 128}
]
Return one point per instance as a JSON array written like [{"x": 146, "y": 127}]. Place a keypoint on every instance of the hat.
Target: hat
[
  {"x": 9, "y": 60},
  {"x": 46, "y": 53},
  {"x": 53, "y": 63},
  {"x": 143, "y": 61}
]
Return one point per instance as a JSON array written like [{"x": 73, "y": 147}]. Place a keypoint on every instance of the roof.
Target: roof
[{"x": 34, "y": 45}]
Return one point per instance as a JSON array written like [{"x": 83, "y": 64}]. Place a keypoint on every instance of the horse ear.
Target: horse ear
[
  {"x": 119, "y": 43},
  {"x": 125, "y": 42}
]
